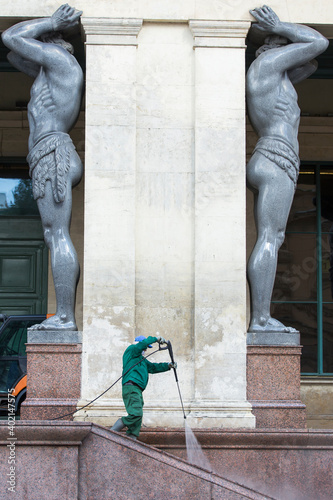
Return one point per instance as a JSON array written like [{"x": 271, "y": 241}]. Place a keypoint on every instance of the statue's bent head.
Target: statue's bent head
[
  {"x": 272, "y": 42},
  {"x": 56, "y": 37}
]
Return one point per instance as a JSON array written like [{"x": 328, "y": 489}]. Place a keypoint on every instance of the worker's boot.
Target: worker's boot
[
  {"x": 118, "y": 426},
  {"x": 132, "y": 436}
]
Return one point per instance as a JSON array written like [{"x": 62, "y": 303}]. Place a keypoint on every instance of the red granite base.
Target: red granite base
[
  {"x": 273, "y": 386},
  {"x": 54, "y": 379}
]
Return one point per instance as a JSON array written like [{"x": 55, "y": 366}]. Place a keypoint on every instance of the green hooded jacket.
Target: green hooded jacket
[{"x": 139, "y": 374}]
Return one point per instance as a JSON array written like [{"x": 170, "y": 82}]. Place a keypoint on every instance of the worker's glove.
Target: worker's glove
[
  {"x": 161, "y": 340},
  {"x": 173, "y": 365}
]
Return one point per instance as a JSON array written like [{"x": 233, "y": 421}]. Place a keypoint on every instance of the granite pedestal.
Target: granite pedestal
[
  {"x": 273, "y": 381},
  {"x": 54, "y": 374}
]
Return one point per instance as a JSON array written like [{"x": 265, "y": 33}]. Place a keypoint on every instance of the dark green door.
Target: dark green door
[
  {"x": 23, "y": 253},
  {"x": 23, "y": 267}
]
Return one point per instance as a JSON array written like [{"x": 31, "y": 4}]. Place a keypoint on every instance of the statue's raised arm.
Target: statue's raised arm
[
  {"x": 22, "y": 38},
  {"x": 306, "y": 43}
]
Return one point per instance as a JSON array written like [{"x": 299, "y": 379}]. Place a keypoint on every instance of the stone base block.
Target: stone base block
[
  {"x": 48, "y": 409},
  {"x": 54, "y": 374},
  {"x": 273, "y": 338},
  {"x": 209, "y": 414},
  {"x": 279, "y": 415},
  {"x": 273, "y": 386}
]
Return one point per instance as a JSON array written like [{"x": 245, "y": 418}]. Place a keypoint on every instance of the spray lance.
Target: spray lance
[
  {"x": 195, "y": 455},
  {"x": 169, "y": 347}
]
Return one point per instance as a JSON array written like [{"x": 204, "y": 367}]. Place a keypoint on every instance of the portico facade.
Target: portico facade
[
  {"x": 164, "y": 248},
  {"x": 161, "y": 185}
]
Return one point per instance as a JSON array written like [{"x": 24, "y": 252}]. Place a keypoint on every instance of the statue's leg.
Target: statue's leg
[
  {"x": 56, "y": 218},
  {"x": 275, "y": 192}
]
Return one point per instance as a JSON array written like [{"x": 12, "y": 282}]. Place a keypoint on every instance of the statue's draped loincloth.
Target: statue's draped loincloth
[
  {"x": 49, "y": 160},
  {"x": 281, "y": 154}
]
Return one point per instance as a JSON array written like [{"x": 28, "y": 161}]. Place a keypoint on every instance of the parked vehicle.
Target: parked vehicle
[{"x": 13, "y": 358}]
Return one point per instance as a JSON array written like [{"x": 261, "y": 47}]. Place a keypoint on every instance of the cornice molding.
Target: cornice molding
[
  {"x": 108, "y": 31},
  {"x": 227, "y": 34}
]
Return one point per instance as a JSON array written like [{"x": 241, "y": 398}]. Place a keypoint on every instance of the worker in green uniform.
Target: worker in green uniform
[{"x": 135, "y": 381}]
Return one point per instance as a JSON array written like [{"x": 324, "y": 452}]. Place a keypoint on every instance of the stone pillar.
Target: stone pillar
[
  {"x": 109, "y": 239},
  {"x": 220, "y": 260},
  {"x": 165, "y": 216},
  {"x": 164, "y": 210},
  {"x": 54, "y": 374}
]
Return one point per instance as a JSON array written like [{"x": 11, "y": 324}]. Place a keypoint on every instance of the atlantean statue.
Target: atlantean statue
[
  {"x": 285, "y": 57},
  {"x": 38, "y": 49}
]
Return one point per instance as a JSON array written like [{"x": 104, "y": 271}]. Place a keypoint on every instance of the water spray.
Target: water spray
[{"x": 195, "y": 455}]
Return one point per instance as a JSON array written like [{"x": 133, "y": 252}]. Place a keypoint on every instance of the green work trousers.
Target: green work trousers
[{"x": 133, "y": 400}]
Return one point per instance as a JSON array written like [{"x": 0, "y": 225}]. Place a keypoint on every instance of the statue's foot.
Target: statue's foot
[
  {"x": 56, "y": 323},
  {"x": 270, "y": 325}
]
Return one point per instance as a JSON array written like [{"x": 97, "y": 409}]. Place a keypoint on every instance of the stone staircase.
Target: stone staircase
[
  {"x": 134, "y": 470},
  {"x": 81, "y": 460}
]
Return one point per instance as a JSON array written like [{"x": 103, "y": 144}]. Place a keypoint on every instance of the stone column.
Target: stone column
[
  {"x": 109, "y": 239},
  {"x": 220, "y": 260}
]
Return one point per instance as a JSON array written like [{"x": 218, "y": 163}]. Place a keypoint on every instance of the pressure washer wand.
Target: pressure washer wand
[{"x": 175, "y": 372}]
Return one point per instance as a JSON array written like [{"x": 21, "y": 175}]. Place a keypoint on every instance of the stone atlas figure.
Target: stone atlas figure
[
  {"x": 38, "y": 49},
  {"x": 285, "y": 58}
]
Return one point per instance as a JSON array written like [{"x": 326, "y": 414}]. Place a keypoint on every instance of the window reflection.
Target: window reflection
[
  {"x": 304, "y": 318},
  {"x": 303, "y": 291},
  {"x": 296, "y": 277},
  {"x": 16, "y": 197},
  {"x": 302, "y": 215},
  {"x": 327, "y": 237},
  {"x": 328, "y": 338}
]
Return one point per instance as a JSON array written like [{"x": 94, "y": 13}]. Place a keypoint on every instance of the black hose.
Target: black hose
[{"x": 106, "y": 390}]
